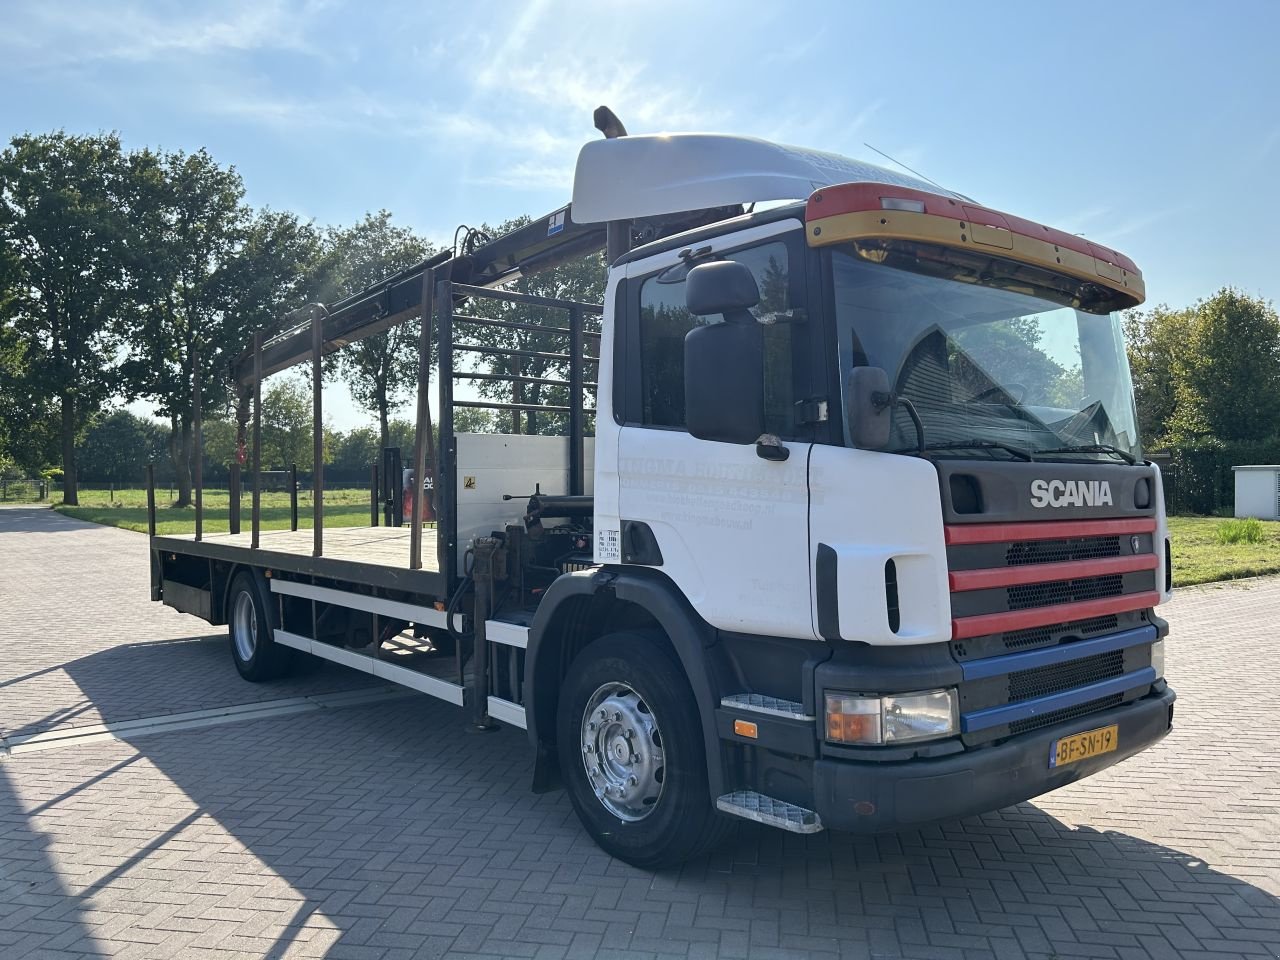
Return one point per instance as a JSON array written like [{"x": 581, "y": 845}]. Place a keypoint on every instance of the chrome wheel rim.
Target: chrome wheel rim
[
  {"x": 622, "y": 752},
  {"x": 244, "y": 626}
]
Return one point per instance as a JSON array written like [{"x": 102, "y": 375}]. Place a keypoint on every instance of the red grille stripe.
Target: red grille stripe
[
  {"x": 1045, "y": 572},
  {"x": 965, "y": 627},
  {"x": 1049, "y": 530}
]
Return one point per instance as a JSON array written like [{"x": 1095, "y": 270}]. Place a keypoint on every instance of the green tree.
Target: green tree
[
  {"x": 1228, "y": 372},
  {"x": 356, "y": 451},
  {"x": 286, "y": 426},
  {"x": 67, "y": 228},
  {"x": 380, "y": 370},
  {"x": 214, "y": 273},
  {"x": 221, "y": 447},
  {"x": 1155, "y": 339},
  {"x": 116, "y": 448}
]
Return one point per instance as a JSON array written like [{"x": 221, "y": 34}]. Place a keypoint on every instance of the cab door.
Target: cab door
[{"x": 727, "y": 526}]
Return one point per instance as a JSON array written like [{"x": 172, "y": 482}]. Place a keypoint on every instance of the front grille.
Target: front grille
[
  {"x": 1057, "y": 551},
  {"x": 1040, "y": 636},
  {"x": 1044, "y": 681},
  {"x": 1065, "y": 714},
  {"x": 1064, "y": 591}
]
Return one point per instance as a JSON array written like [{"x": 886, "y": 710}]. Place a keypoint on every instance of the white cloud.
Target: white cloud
[
  {"x": 66, "y": 33},
  {"x": 528, "y": 175}
]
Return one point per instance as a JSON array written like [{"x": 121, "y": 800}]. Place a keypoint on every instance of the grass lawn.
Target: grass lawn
[
  {"x": 1198, "y": 557},
  {"x": 342, "y": 508}
]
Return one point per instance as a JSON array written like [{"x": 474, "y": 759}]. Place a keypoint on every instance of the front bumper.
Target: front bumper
[{"x": 873, "y": 797}]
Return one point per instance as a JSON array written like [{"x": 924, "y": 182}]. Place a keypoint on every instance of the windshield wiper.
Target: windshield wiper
[
  {"x": 1096, "y": 448},
  {"x": 970, "y": 445}
]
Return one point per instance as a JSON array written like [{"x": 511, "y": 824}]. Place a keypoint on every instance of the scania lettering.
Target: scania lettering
[
  {"x": 1070, "y": 493},
  {"x": 833, "y": 514}
]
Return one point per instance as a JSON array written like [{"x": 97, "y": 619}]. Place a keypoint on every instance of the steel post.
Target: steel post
[
  {"x": 198, "y": 442},
  {"x": 373, "y": 497},
  {"x": 233, "y": 499},
  {"x": 577, "y": 478},
  {"x": 151, "y": 499},
  {"x": 293, "y": 496},
  {"x": 317, "y": 426},
  {"x": 485, "y": 572},
  {"x": 446, "y": 503},
  {"x": 420, "y": 425},
  {"x": 257, "y": 437}
]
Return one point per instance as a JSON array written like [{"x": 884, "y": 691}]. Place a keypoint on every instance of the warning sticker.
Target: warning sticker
[
  {"x": 468, "y": 483},
  {"x": 608, "y": 546},
  {"x": 556, "y": 223}
]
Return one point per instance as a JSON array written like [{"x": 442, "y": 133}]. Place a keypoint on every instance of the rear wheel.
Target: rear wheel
[
  {"x": 253, "y": 648},
  {"x": 632, "y": 754}
]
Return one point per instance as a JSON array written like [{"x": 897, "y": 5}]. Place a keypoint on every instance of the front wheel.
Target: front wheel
[{"x": 632, "y": 755}]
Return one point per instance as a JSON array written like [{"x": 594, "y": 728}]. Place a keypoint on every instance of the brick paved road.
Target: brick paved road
[{"x": 383, "y": 832}]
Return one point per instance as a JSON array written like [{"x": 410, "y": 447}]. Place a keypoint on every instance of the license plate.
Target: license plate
[{"x": 1082, "y": 746}]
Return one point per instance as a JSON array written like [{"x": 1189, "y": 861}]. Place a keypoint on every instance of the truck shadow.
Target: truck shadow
[
  {"x": 157, "y": 678},
  {"x": 389, "y": 826}
]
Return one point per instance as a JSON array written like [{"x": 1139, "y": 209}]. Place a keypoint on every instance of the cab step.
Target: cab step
[
  {"x": 773, "y": 706},
  {"x": 773, "y": 813}
]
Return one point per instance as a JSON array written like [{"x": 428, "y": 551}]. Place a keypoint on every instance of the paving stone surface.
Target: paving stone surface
[
  {"x": 81, "y": 643},
  {"x": 384, "y": 832}
]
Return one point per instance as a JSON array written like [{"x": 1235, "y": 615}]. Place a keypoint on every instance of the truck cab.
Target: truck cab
[{"x": 892, "y": 495}]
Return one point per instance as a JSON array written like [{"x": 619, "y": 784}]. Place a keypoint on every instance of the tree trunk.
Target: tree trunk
[
  {"x": 384, "y": 427},
  {"x": 180, "y": 454},
  {"x": 70, "y": 493}
]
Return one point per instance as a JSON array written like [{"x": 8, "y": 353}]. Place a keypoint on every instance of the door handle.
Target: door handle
[{"x": 769, "y": 447}]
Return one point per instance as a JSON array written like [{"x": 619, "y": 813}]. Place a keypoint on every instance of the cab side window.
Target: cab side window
[{"x": 664, "y": 321}]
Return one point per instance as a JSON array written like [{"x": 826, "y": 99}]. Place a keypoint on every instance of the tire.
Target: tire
[
  {"x": 256, "y": 654},
  {"x": 667, "y": 816}
]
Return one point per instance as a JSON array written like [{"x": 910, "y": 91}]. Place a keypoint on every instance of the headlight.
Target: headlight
[
  {"x": 1157, "y": 658},
  {"x": 896, "y": 718}
]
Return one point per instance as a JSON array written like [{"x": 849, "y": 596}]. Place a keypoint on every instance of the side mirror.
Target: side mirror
[
  {"x": 723, "y": 287},
  {"x": 724, "y": 362},
  {"x": 868, "y": 411}
]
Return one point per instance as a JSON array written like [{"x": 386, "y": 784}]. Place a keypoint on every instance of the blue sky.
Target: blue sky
[{"x": 1150, "y": 127}]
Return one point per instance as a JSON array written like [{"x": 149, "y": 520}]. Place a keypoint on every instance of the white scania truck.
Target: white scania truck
[{"x": 863, "y": 537}]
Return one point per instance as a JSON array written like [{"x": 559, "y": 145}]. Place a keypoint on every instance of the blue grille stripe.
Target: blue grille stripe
[
  {"x": 1062, "y": 653},
  {"x": 1010, "y": 713}
]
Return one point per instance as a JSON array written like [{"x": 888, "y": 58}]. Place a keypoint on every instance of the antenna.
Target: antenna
[{"x": 905, "y": 167}]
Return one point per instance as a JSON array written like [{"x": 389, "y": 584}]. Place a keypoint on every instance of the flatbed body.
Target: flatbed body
[{"x": 368, "y": 556}]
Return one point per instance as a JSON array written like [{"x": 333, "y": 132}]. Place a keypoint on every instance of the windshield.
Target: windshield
[{"x": 986, "y": 364}]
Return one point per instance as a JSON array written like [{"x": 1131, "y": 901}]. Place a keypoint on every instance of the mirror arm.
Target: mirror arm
[
  {"x": 915, "y": 419},
  {"x": 880, "y": 400}
]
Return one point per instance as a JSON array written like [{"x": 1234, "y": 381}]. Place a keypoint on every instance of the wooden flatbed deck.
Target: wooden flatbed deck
[{"x": 378, "y": 556}]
